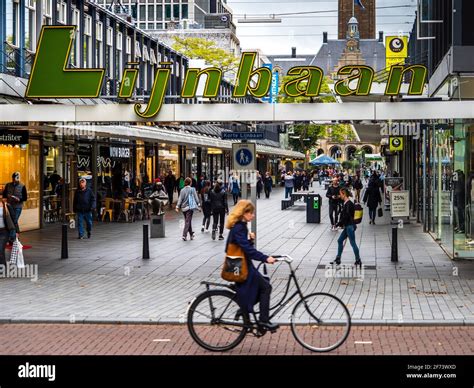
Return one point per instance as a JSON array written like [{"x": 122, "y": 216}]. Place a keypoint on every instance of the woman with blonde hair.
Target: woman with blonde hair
[{"x": 255, "y": 288}]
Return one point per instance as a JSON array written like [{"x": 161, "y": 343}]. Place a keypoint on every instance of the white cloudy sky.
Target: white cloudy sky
[{"x": 304, "y": 31}]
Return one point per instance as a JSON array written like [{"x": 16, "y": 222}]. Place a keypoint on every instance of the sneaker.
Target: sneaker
[
  {"x": 192, "y": 236},
  {"x": 337, "y": 261},
  {"x": 213, "y": 234},
  {"x": 358, "y": 262},
  {"x": 202, "y": 229},
  {"x": 221, "y": 237},
  {"x": 269, "y": 325},
  {"x": 184, "y": 238},
  {"x": 81, "y": 237}
]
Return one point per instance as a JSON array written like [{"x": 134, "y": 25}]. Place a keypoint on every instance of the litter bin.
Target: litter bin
[
  {"x": 157, "y": 226},
  {"x": 313, "y": 209}
]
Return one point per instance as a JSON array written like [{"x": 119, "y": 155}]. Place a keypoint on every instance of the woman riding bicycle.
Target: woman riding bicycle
[{"x": 255, "y": 288}]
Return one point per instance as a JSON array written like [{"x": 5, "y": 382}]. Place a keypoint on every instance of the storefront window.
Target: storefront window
[
  {"x": 463, "y": 193},
  {"x": 168, "y": 158},
  {"x": 24, "y": 159}
]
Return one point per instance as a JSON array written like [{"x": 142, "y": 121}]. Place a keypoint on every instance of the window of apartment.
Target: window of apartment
[
  {"x": 62, "y": 13},
  {"x": 159, "y": 12},
  {"x": 141, "y": 13},
  {"x": 99, "y": 30},
  {"x": 184, "y": 11},
  {"x": 138, "y": 52},
  {"x": 146, "y": 57},
  {"x": 30, "y": 26},
  {"x": 142, "y": 26},
  {"x": 152, "y": 57},
  {"x": 168, "y": 12},
  {"x": 87, "y": 41},
  {"x": 76, "y": 48},
  {"x": 176, "y": 11},
  {"x": 109, "y": 59},
  {"x": 128, "y": 49},
  {"x": 151, "y": 12}
]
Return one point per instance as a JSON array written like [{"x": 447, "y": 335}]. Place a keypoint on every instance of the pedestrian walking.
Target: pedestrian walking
[
  {"x": 170, "y": 185},
  {"x": 255, "y": 288},
  {"x": 305, "y": 181},
  {"x": 372, "y": 199},
  {"x": 357, "y": 187},
  {"x": 188, "y": 202},
  {"x": 289, "y": 184},
  {"x": 267, "y": 184},
  {"x": 219, "y": 208},
  {"x": 16, "y": 195},
  {"x": 347, "y": 222},
  {"x": 7, "y": 227},
  {"x": 234, "y": 188},
  {"x": 259, "y": 185},
  {"x": 84, "y": 203},
  {"x": 206, "y": 206},
  {"x": 180, "y": 184},
  {"x": 298, "y": 181},
  {"x": 334, "y": 201}
]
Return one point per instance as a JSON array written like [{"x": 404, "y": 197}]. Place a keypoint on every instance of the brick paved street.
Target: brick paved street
[
  {"x": 105, "y": 279},
  {"x": 103, "y": 339}
]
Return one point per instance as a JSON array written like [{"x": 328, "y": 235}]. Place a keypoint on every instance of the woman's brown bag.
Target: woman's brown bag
[{"x": 235, "y": 267}]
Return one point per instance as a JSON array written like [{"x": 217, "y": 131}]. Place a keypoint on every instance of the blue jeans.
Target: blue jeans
[
  {"x": 347, "y": 232},
  {"x": 15, "y": 218},
  {"x": 288, "y": 191},
  {"x": 87, "y": 217}
]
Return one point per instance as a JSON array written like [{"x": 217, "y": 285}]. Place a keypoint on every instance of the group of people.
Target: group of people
[{"x": 295, "y": 181}]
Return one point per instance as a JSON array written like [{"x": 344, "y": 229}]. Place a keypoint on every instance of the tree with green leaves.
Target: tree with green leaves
[
  {"x": 304, "y": 136},
  {"x": 200, "y": 48}
]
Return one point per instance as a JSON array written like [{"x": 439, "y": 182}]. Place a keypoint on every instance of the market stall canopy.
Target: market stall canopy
[{"x": 323, "y": 160}]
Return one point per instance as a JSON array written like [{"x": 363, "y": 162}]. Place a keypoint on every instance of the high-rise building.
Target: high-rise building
[{"x": 365, "y": 17}]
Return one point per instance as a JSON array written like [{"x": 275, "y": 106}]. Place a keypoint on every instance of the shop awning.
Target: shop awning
[{"x": 174, "y": 136}]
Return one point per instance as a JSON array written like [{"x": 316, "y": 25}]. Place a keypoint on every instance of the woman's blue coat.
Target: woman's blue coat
[{"x": 247, "y": 292}]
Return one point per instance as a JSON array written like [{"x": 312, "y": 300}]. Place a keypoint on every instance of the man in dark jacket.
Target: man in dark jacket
[
  {"x": 170, "y": 183},
  {"x": 16, "y": 195},
  {"x": 7, "y": 227},
  {"x": 334, "y": 202},
  {"x": 372, "y": 199},
  {"x": 84, "y": 202}
]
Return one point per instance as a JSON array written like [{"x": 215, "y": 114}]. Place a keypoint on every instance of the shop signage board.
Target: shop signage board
[
  {"x": 396, "y": 144},
  {"x": 119, "y": 152},
  {"x": 242, "y": 135},
  {"x": 54, "y": 49},
  {"x": 392, "y": 184},
  {"x": 244, "y": 156},
  {"x": 399, "y": 204},
  {"x": 11, "y": 137}
]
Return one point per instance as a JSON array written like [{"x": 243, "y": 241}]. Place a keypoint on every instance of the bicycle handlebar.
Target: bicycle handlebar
[{"x": 284, "y": 258}]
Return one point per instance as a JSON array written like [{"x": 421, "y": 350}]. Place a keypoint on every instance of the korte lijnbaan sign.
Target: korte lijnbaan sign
[{"x": 51, "y": 78}]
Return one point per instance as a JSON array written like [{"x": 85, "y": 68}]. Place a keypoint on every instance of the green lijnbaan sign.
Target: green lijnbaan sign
[{"x": 51, "y": 78}]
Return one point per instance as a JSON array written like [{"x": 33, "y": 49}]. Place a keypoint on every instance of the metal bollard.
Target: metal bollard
[
  {"x": 146, "y": 248},
  {"x": 394, "y": 244},
  {"x": 64, "y": 249}
]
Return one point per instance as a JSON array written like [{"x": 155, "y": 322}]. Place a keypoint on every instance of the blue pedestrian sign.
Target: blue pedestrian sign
[{"x": 244, "y": 156}]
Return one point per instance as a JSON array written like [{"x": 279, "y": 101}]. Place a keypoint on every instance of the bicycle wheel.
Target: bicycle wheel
[
  {"x": 215, "y": 321},
  {"x": 320, "y": 322}
]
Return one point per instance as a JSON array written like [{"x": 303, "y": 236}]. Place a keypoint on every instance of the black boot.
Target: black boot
[{"x": 337, "y": 261}]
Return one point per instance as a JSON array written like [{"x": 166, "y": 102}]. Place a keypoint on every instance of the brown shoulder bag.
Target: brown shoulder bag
[{"x": 235, "y": 268}]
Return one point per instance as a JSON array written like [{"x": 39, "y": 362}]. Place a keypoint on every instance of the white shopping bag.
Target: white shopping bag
[{"x": 16, "y": 256}]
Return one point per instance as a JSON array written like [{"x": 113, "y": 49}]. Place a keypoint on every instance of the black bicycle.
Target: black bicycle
[{"x": 319, "y": 321}]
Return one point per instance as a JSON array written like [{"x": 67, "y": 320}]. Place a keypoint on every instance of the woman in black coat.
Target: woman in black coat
[
  {"x": 267, "y": 184},
  {"x": 372, "y": 199},
  {"x": 219, "y": 207},
  {"x": 255, "y": 287}
]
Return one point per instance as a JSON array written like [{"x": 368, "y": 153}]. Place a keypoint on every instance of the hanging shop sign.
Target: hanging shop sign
[
  {"x": 242, "y": 135},
  {"x": 11, "y": 137},
  {"x": 396, "y": 144},
  {"x": 54, "y": 47}
]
